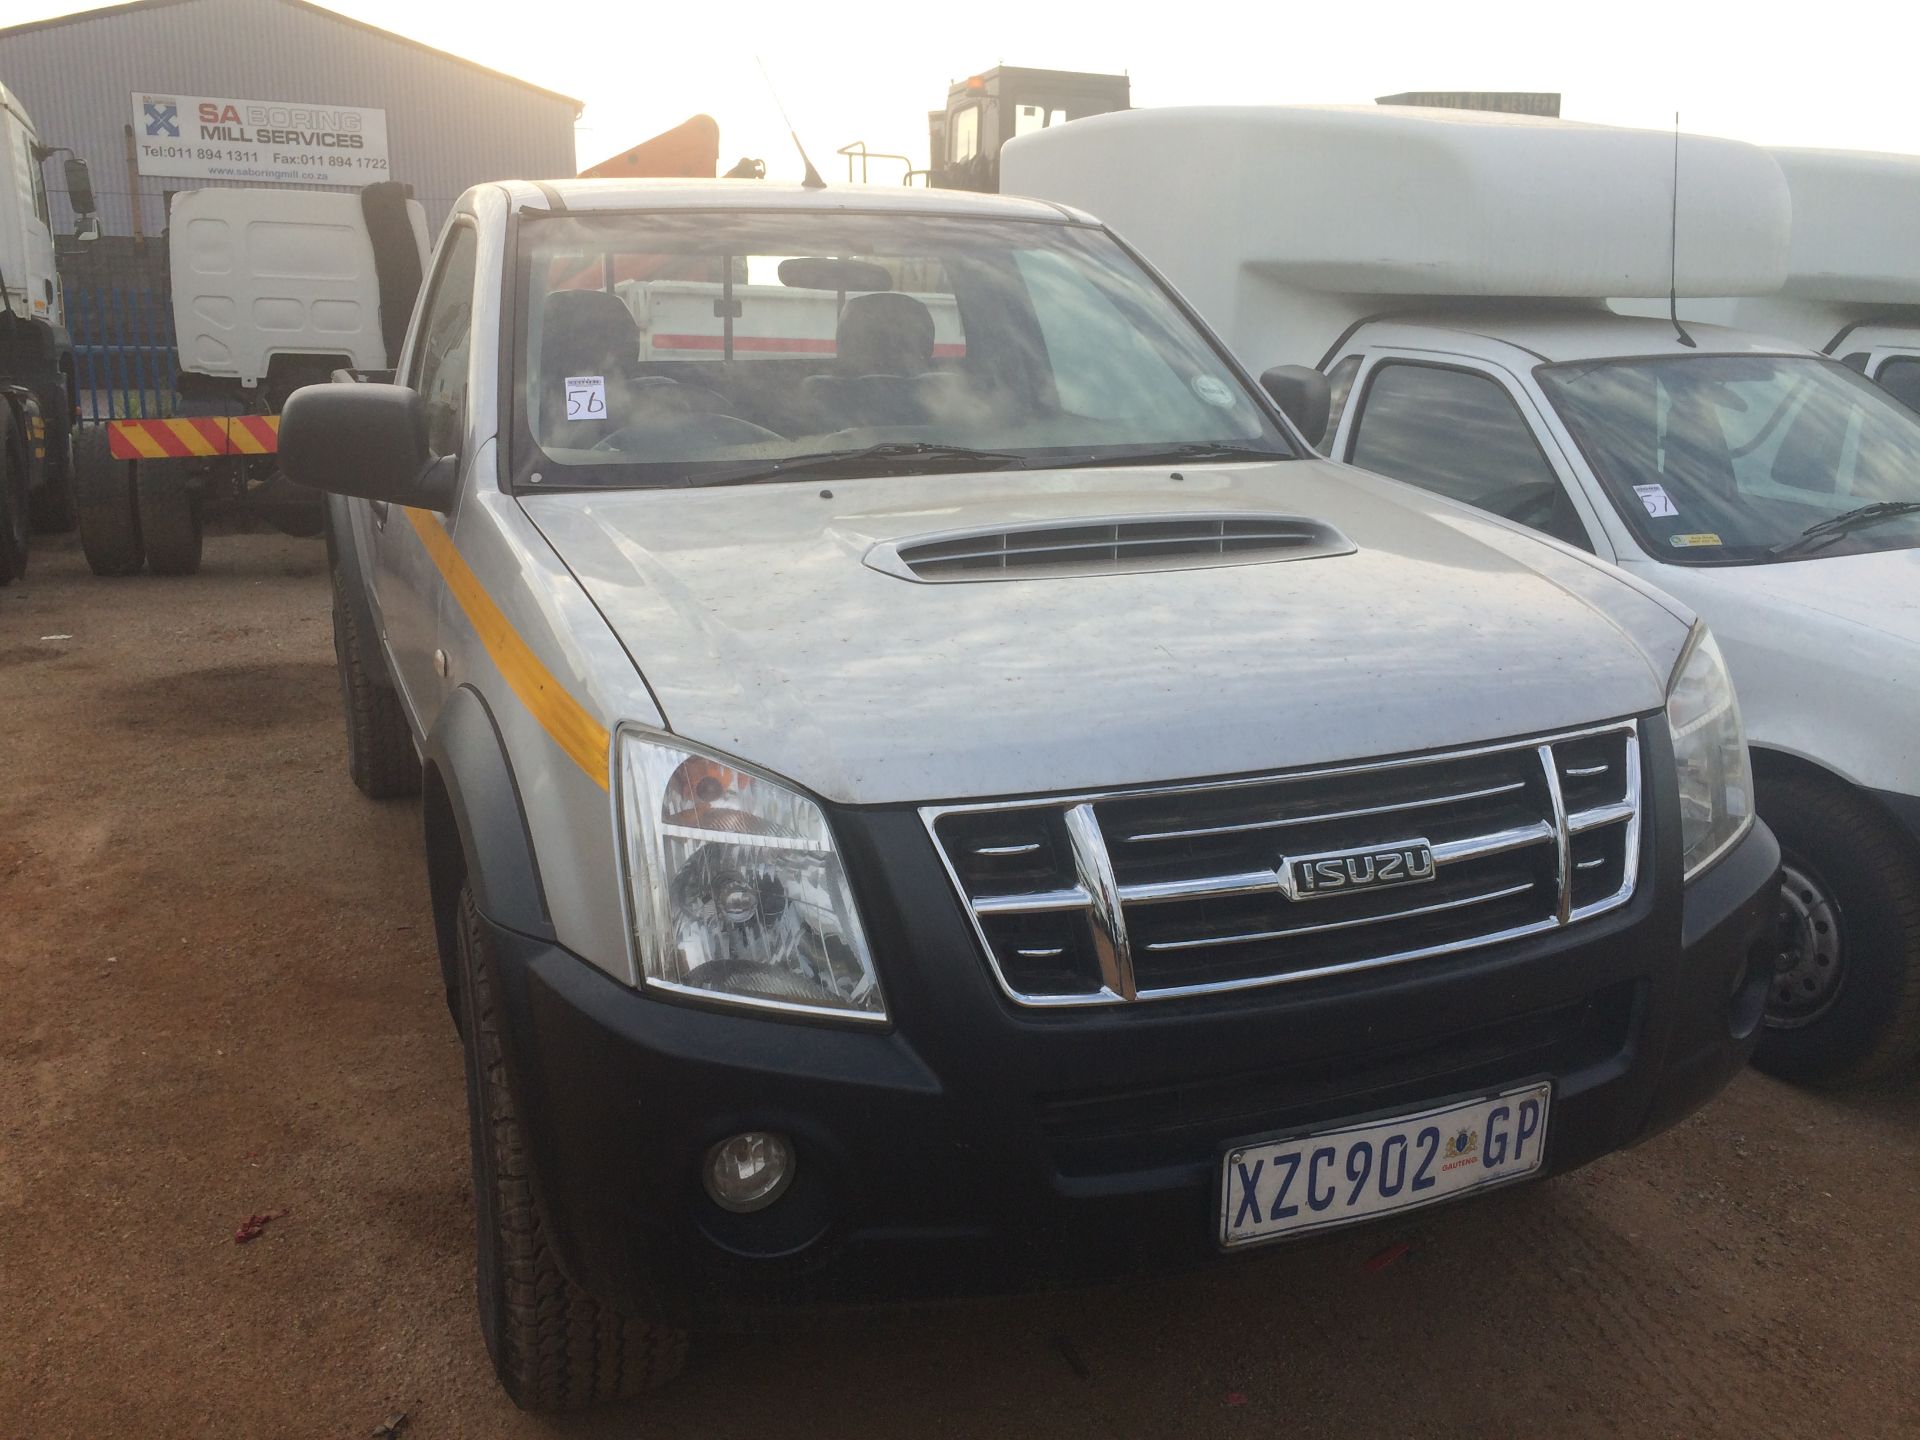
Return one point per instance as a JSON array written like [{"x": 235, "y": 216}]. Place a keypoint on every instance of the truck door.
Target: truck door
[
  {"x": 36, "y": 277},
  {"x": 1464, "y": 429},
  {"x": 405, "y": 582}
]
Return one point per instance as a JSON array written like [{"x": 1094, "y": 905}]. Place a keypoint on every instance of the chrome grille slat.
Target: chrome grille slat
[
  {"x": 1205, "y": 909},
  {"x": 1397, "y": 808},
  {"x": 1073, "y": 898},
  {"x": 1257, "y": 882},
  {"x": 1254, "y": 937},
  {"x": 1582, "y": 821}
]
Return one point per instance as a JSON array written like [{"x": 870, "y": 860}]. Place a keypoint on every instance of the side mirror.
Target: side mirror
[
  {"x": 364, "y": 440},
  {"x": 86, "y": 228},
  {"x": 79, "y": 186},
  {"x": 1304, "y": 397}
]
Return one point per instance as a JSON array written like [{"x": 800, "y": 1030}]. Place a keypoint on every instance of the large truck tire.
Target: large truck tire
[
  {"x": 55, "y": 503},
  {"x": 169, "y": 518},
  {"x": 109, "y": 518},
  {"x": 14, "y": 502},
  {"x": 1845, "y": 1003},
  {"x": 553, "y": 1345},
  {"x": 380, "y": 754}
]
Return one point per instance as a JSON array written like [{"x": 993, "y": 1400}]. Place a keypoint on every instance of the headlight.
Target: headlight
[
  {"x": 738, "y": 891},
  {"x": 1710, "y": 752}
]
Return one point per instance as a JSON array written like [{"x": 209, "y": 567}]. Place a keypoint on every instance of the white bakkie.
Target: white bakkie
[{"x": 1449, "y": 272}]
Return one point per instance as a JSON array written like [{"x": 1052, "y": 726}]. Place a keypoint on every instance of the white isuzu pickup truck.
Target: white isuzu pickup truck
[
  {"x": 1449, "y": 271},
  {"x": 970, "y": 800}
]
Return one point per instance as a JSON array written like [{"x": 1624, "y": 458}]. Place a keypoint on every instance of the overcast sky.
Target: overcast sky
[{"x": 1836, "y": 75}]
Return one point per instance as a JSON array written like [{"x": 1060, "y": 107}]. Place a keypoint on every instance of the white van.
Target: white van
[{"x": 1448, "y": 270}]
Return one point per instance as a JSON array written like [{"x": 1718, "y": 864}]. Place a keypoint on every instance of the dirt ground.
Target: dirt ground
[{"x": 218, "y": 998}]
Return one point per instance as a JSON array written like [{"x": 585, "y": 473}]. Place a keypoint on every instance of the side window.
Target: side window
[
  {"x": 40, "y": 197},
  {"x": 1460, "y": 434},
  {"x": 1340, "y": 386},
  {"x": 446, "y": 335},
  {"x": 1900, "y": 378},
  {"x": 965, "y": 140}
]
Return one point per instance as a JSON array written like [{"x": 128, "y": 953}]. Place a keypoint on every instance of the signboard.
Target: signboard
[
  {"x": 274, "y": 142},
  {"x": 1511, "y": 102}
]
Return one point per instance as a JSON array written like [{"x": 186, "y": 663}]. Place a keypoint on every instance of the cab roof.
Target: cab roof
[
  {"x": 621, "y": 194},
  {"x": 1554, "y": 334}
]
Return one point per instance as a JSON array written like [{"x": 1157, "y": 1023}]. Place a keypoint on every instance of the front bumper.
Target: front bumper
[{"x": 976, "y": 1148}]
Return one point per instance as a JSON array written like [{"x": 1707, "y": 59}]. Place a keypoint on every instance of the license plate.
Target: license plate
[{"x": 1339, "y": 1176}]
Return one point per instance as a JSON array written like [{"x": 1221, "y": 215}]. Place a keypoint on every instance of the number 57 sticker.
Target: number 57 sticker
[{"x": 586, "y": 397}]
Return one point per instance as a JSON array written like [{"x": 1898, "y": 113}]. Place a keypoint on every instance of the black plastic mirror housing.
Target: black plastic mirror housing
[
  {"x": 79, "y": 186},
  {"x": 364, "y": 440},
  {"x": 1304, "y": 397}
]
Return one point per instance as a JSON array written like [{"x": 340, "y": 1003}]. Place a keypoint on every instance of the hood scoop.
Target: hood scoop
[{"x": 1107, "y": 546}]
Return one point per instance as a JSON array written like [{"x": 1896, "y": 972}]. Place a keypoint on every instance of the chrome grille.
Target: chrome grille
[
  {"x": 1151, "y": 894},
  {"x": 1169, "y": 542}
]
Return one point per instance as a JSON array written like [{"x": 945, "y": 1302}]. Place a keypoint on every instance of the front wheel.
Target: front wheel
[
  {"x": 55, "y": 504},
  {"x": 553, "y": 1345},
  {"x": 1845, "y": 1000},
  {"x": 13, "y": 499}
]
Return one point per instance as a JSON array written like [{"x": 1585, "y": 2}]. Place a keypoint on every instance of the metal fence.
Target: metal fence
[{"x": 123, "y": 351}]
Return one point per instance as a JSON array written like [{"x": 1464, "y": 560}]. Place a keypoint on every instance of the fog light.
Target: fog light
[{"x": 750, "y": 1171}]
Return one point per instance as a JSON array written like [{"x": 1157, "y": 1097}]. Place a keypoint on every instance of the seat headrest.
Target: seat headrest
[
  {"x": 589, "y": 324},
  {"x": 885, "y": 333}
]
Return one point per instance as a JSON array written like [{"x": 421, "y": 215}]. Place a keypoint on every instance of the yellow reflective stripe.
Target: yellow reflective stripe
[{"x": 573, "y": 729}]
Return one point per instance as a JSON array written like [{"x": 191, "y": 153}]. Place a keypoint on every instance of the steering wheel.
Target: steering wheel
[
  {"x": 693, "y": 426},
  {"x": 663, "y": 392}
]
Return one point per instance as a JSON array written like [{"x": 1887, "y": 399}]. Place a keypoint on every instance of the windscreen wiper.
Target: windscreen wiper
[
  {"x": 1825, "y": 532},
  {"x": 917, "y": 454},
  {"x": 1198, "y": 450}
]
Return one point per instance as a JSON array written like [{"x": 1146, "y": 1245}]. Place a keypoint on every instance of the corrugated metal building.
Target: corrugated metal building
[{"x": 449, "y": 122}]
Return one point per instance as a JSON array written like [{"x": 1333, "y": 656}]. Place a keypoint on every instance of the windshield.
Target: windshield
[
  {"x": 699, "y": 348},
  {"x": 1729, "y": 459}
]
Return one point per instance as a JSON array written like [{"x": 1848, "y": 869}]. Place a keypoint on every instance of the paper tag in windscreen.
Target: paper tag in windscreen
[
  {"x": 1654, "y": 497},
  {"x": 586, "y": 397}
]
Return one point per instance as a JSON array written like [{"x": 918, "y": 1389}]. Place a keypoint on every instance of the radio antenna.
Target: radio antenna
[
  {"x": 812, "y": 180},
  {"x": 1673, "y": 246}
]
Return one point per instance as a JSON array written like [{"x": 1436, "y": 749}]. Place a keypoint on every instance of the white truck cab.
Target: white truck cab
[
  {"x": 1449, "y": 272},
  {"x": 38, "y": 400},
  {"x": 1852, "y": 288}
]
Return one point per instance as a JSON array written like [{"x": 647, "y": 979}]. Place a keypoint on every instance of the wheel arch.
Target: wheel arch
[
  {"x": 475, "y": 829},
  {"x": 1769, "y": 762}
]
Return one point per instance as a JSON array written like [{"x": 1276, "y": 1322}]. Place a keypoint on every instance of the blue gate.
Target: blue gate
[{"x": 123, "y": 352}]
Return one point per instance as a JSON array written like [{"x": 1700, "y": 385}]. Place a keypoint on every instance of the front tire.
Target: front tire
[
  {"x": 55, "y": 506},
  {"x": 14, "y": 527},
  {"x": 553, "y": 1345},
  {"x": 1845, "y": 1001}
]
